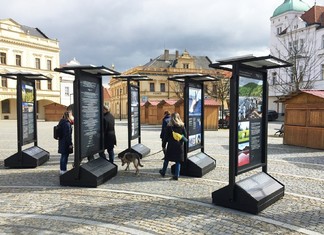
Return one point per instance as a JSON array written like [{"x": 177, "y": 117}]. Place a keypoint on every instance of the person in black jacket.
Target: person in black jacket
[
  {"x": 65, "y": 140},
  {"x": 174, "y": 149},
  {"x": 165, "y": 122},
  {"x": 109, "y": 134}
]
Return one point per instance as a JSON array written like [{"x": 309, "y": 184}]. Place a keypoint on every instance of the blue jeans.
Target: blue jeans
[
  {"x": 111, "y": 155},
  {"x": 64, "y": 161},
  {"x": 177, "y": 168}
]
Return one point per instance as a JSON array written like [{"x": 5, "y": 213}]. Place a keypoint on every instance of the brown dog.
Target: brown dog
[{"x": 129, "y": 157}]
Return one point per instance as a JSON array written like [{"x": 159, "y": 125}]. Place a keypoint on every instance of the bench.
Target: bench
[{"x": 280, "y": 131}]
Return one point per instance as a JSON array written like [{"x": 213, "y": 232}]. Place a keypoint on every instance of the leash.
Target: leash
[{"x": 154, "y": 153}]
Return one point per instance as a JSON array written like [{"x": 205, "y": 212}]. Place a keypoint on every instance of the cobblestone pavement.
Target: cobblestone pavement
[{"x": 33, "y": 202}]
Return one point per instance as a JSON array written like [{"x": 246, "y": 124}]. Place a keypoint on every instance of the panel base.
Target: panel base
[
  {"x": 91, "y": 174},
  {"x": 197, "y": 165},
  {"x": 251, "y": 195},
  {"x": 28, "y": 158},
  {"x": 140, "y": 149}
]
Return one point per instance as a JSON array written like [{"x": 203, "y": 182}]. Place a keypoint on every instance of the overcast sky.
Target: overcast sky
[{"x": 128, "y": 33}]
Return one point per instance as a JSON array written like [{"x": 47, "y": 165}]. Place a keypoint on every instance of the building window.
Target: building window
[
  {"x": 49, "y": 65},
  {"x": 302, "y": 44},
  {"x": 162, "y": 87},
  {"x": 18, "y": 60},
  {"x": 37, "y": 84},
  {"x": 49, "y": 85},
  {"x": 215, "y": 89},
  {"x": 66, "y": 91},
  {"x": 4, "y": 82},
  {"x": 186, "y": 66},
  {"x": 152, "y": 88},
  {"x": 322, "y": 41},
  {"x": 279, "y": 30},
  {"x": 289, "y": 47},
  {"x": 274, "y": 78},
  {"x": 37, "y": 63},
  {"x": 5, "y": 104},
  {"x": 3, "y": 58}
]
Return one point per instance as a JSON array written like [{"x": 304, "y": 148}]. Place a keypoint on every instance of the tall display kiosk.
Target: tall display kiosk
[
  {"x": 134, "y": 113},
  {"x": 88, "y": 127},
  {"x": 199, "y": 163},
  {"x": 248, "y": 136},
  {"x": 33, "y": 156}
]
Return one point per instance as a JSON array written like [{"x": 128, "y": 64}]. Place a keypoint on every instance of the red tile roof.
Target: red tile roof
[
  {"x": 318, "y": 93},
  {"x": 314, "y": 15},
  {"x": 211, "y": 102}
]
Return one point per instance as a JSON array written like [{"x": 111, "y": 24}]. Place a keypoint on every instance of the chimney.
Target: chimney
[
  {"x": 166, "y": 54},
  {"x": 176, "y": 54}
]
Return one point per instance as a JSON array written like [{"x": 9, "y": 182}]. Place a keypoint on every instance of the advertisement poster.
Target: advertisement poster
[
  {"x": 134, "y": 112},
  {"x": 249, "y": 120},
  {"x": 28, "y": 122},
  {"x": 90, "y": 116},
  {"x": 195, "y": 112}
]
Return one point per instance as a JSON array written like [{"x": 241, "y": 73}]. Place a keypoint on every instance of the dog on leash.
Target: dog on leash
[{"x": 129, "y": 157}]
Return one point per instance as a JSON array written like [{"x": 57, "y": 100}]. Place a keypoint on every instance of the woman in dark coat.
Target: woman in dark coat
[
  {"x": 174, "y": 151},
  {"x": 65, "y": 140}
]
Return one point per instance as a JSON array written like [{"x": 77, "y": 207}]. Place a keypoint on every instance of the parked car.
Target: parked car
[{"x": 272, "y": 115}]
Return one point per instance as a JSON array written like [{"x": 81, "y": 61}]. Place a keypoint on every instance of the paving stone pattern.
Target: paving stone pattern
[{"x": 33, "y": 202}]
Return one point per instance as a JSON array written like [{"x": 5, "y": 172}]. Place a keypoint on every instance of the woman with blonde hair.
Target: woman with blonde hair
[{"x": 174, "y": 147}]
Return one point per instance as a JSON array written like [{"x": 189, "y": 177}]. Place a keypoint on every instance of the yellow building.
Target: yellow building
[
  {"x": 159, "y": 69},
  {"x": 27, "y": 49}
]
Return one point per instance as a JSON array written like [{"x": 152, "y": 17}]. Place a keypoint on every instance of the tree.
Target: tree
[
  {"x": 220, "y": 90},
  {"x": 298, "y": 47}
]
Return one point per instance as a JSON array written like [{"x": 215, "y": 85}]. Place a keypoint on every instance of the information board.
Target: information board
[
  {"x": 28, "y": 109},
  {"x": 90, "y": 116},
  {"x": 134, "y": 112},
  {"x": 249, "y": 121},
  {"x": 194, "y": 116}
]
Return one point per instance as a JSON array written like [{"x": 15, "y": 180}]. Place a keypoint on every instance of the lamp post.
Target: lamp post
[{"x": 120, "y": 92}]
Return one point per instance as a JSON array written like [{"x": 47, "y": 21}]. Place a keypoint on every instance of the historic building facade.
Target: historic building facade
[
  {"x": 297, "y": 36},
  {"x": 27, "y": 49},
  {"x": 159, "y": 88}
]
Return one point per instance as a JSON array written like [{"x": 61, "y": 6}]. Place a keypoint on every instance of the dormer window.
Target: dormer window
[{"x": 186, "y": 66}]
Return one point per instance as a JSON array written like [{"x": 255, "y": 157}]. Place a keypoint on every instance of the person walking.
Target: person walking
[
  {"x": 172, "y": 145},
  {"x": 65, "y": 146},
  {"x": 165, "y": 122},
  {"x": 109, "y": 134}
]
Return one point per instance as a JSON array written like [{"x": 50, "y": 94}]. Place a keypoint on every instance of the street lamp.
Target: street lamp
[{"x": 120, "y": 92}]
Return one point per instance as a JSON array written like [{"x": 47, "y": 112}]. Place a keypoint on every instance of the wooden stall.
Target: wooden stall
[
  {"x": 143, "y": 113},
  {"x": 211, "y": 114},
  {"x": 178, "y": 107},
  {"x": 304, "y": 119},
  {"x": 54, "y": 111},
  {"x": 165, "y": 105},
  {"x": 151, "y": 112}
]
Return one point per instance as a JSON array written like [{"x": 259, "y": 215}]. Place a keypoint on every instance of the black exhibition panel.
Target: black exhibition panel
[
  {"x": 31, "y": 156},
  {"x": 88, "y": 127},
  {"x": 248, "y": 135},
  {"x": 134, "y": 114},
  {"x": 199, "y": 163}
]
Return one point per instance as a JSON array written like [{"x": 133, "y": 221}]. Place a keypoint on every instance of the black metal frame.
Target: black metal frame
[
  {"x": 85, "y": 175},
  {"x": 135, "y": 78},
  {"x": 235, "y": 195},
  {"x": 17, "y": 160},
  {"x": 190, "y": 168}
]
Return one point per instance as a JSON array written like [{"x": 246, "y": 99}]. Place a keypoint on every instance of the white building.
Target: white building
[
  {"x": 297, "y": 36},
  {"x": 26, "y": 49},
  {"x": 67, "y": 84}
]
